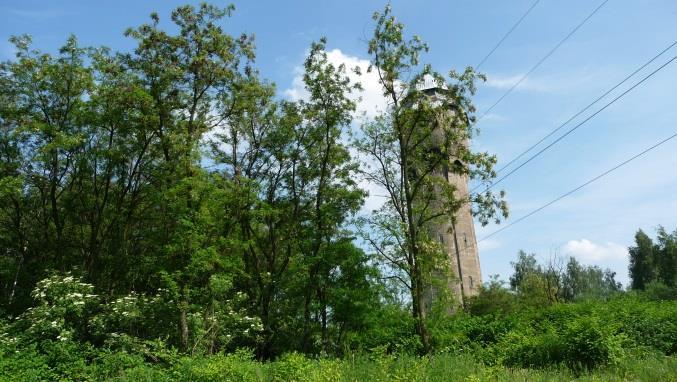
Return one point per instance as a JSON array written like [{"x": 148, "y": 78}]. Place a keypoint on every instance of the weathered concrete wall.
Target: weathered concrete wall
[{"x": 459, "y": 241}]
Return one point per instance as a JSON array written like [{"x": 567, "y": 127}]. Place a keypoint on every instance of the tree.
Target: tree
[
  {"x": 410, "y": 145},
  {"x": 526, "y": 264},
  {"x": 186, "y": 75},
  {"x": 580, "y": 281},
  {"x": 295, "y": 187},
  {"x": 103, "y": 173},
  {"x": 560, "y": 280},
  {"x": 666, "y": 257},
  {"x": 42, "y": 140},
  {"x": 331, "y": 177},
  {"x": 642, "y": 267}
]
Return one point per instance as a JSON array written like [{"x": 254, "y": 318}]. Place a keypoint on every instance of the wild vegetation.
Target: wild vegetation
[{"x": 165, "y": 216}]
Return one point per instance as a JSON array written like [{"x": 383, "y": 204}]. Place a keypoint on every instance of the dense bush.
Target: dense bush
[
  {"x": 234, "y": 367},
  {"x": 581, "y": 344},
  {"x": 581, "y": 335},
  {"x": 48, "y": 341},
  {"x": 658, "y": 291},
  {"x": 122, "y": 366},
  {"x": 390, "y": 328}
]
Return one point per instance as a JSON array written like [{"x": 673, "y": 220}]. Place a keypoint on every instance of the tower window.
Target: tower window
[
  {"x": 472, "y": 285},
  {"x": 440, "y": 237},
  {"x": 465, "y": 240}
]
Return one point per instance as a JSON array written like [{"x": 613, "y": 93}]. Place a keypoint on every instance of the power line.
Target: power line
[
  {"x": 580, "y": 124},
  {"x": 515, "y": 159},
  {"x": 579, "y": 187},
  {"x": 538, "y": 64},
  {"x": 505, "y": 36},
  {"x": 587, "y": 107}
]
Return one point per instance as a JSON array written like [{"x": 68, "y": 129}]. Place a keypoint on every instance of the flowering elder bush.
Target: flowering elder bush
[
  {"x": 67, "y": 310},
  {"x": 63, "y": 304},
  {"x": 229, "y": 325},
  {"x": 236, "y": 326}
]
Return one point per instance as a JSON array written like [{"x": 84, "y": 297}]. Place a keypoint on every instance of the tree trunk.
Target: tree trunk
[
  {"x": 183, "y": 324},
  {"x": 305, "y": 345},
  {"x": 419, "y": 309},
  {"x": 325, "y": 332}
]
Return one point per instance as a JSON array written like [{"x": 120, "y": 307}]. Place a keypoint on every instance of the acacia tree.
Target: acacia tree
[
  {"x": 294, "y": 187},
  {"x": 42, "y": 118},
  {"x": 12, "y": 212},
  {"x": 410, "y": 145},
  {"x": 330, "y": 174},
  {"x": 184, "y": 76}
]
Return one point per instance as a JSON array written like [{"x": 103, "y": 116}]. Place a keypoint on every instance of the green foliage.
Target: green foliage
[
  {"x": 493, "y": 298},
  {"x": 590, "y": 343},
  {"x": 63, "y": 307},
  {"x": 162, "y": 209},
  {"x": 583, "y": 335},
  {"x": 390, "y": 329},
  {"x": 105, "y": 171},
  {"x": 650, "y": 324},
  {"x": 654, "y": 262},
  {"x": 415, "y": 146},
  {"x": 556, "y": 281},
  {"x": 439, "y": 367},
  {"x": 641, "y": 258},
  {"x": 238, "y": 366},
  {"x": 657, "y": 291},
  {"x": 582, "y": 343},
  {"x": 292, "y": 367},
  {"x": 585, "y": 282},
  {"x": 28, "y": 364}
]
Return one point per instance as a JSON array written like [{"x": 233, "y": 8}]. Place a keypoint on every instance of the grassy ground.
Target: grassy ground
[{"x": 406, "y": 368}]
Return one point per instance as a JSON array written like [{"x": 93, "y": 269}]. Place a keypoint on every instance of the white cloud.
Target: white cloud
[
  {"x": 297, "y": 90},
  {"x": 370, "y": 99},
  {"x": 588, "y": 252}
]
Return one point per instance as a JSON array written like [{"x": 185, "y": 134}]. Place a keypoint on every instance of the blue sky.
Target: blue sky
[{"x": 597, "y": 223}]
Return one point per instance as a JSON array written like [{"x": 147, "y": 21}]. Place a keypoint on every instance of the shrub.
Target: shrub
[
  {"x": 392, "y": 328},
  {"x": 588, "y": 344},
  {"x": 25, "y": 365},
  {"x": 526, "y": 348},
  {"x": 658, "y": 291},
  {"x": 63, "y": 305},
  {"x": 648, "y": 323},
  {"x": 493, "y": 299},
  {"x": 123, "y": 366},
  {"x": 292, "y": 367},
  {"x": 236, "y": 367}
]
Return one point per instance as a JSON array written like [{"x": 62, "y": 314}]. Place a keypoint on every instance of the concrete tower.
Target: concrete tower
[{"x": 457, "y": 236}]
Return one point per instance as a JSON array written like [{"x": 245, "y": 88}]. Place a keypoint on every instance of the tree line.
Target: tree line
[
  {"x": 166, "y": 197},
  {"x": 174, "y": 177}
]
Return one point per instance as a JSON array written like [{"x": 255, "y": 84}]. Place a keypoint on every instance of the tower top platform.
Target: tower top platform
[{"x": 429, "y": 82}]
